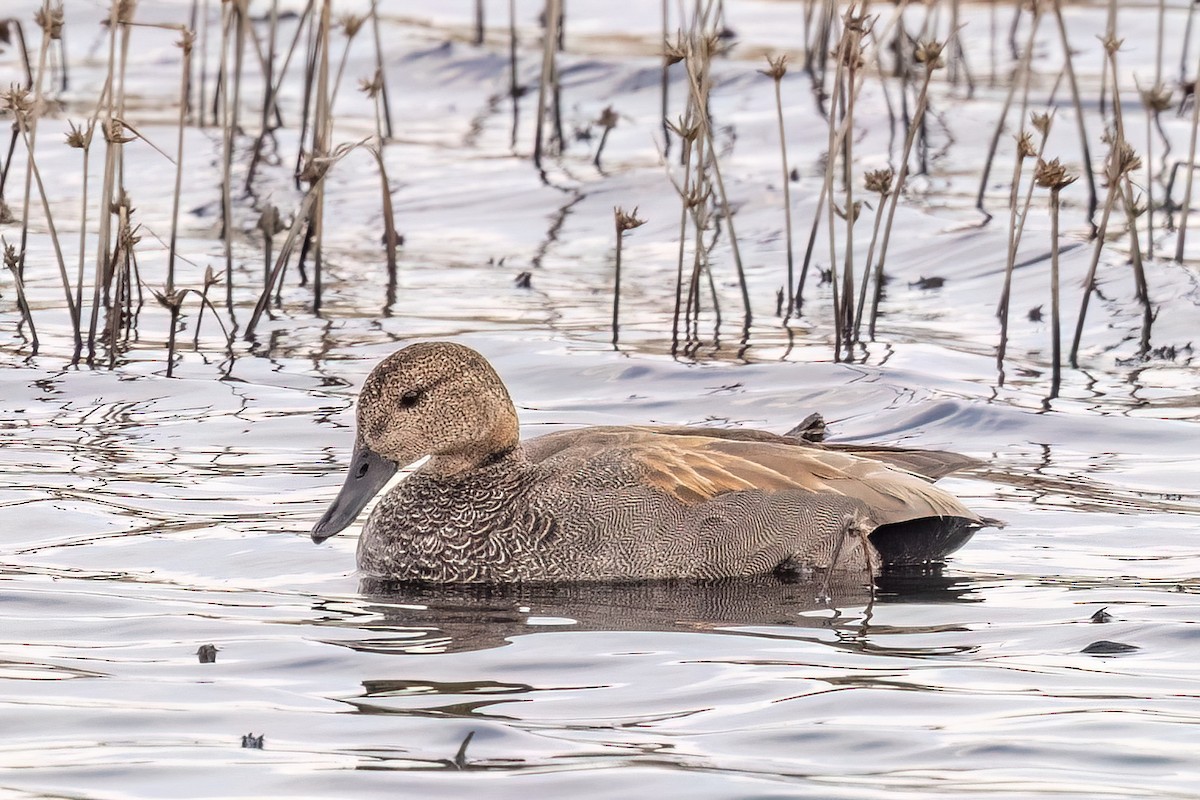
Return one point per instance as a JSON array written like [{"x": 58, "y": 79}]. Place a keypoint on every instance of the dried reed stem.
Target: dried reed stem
[
  {"x": 928, "y": 54},
  {"x": 1186, "y": 207},
  {"x": 1054, "y": 176},
  {"x": 380, "y": 71},
  {"x": 776, "y": 69},
  {"x": 1080, "y": 120},
  {"x": 1022, "y": 70},
  {"x": 552, "y": 16},
  {"x": 12, "y": 261},
  {"x": 622, "y": 222}
]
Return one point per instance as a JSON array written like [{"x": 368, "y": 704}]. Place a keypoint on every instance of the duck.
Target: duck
[{"x": 617, "y": 503}]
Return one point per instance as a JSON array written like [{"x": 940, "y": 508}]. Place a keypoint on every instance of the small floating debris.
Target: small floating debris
[
  {"x": 924, "y": 283},
  {"x": 1035, "y": 314},
  {"x": 207, "y": 653},
  {"x": 252, "y": 742},
  {"x": 1103, "y": 647},
  {"x": 1102, "y": 616},
  {"x": 524, "y": 280}
]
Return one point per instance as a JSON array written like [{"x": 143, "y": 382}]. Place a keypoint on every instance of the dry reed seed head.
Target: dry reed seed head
[
  {"x": 17, "y": 99},
  {"x": 1157, "y": 98},
  {"x": 77, "y": 137},
  {"x": 852, "y": 217},
  {"x": 187, "y": 38},
  {"x": 608, "y": 118},
  {"x": 372, "y": 86},
  {"x": 1053, "y": 175},
  {"x": 1025, "y": 148},
  {"x": 879, "y": 180},
  {"x": 676, "y": 51},
  {"x": 709, "y": 46},
  {"x": 776, "y": 67},
  {"x": 172, "y": 300},
  {"x": 684, "y": 130},
  {"x": 1111, "y": 43},
  {"x": 114, "y": 132},
  {"x": 1040, "y": 122},
  {"x": 627, "y": 222},
  {"x": 129, "y": 236},
  {"x": 211, "y": 278},
  {"x": 854, "y": 23},
  {"x": 51, "y": 22},
  {"x": 1138, "y": 206},
  {"x": 351, "y": 24},
  {"x": 314, "y": 168},
  {"x": 1122, "y": 159},
  {"x": 11, "y": 260},
  {"x": 6, "y": 215},
  {"x": 929, "y": 53}
]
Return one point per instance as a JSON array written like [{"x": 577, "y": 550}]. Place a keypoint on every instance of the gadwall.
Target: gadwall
[{"x": 616, "y": 503}]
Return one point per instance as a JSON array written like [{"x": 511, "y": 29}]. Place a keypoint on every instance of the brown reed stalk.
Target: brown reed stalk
[
  {"x": 929, "y": 55},
  {"x": 1139, "y": 269},
  {"x": 1186, "y": 207},
  {"x": 1080, "y": 119},
  {"x": 8, "y": 26},
  {"x": 12, "y": 261},
  {"x": 552, "y": 16},
  {"x": 264, "y": 126},
  {"x": 390, "y": 238},
  {"x": 315, "y": 173},
  {"x": 607, "y": 120},
  {"x": 210, "y": 280},
  {"x": 880, "y": 182},
  {"x": 322, "y": 134},
  {"x": 350, "y": 24},
  {"x": 173, "y": 301},
  {"x": 1054, "y": 176},
  {"x": 381, "y": 72},
  {"x": 1113, "y": 170},
  {"x": 844, "y": 313},
  {"x": 623, "y": 222},
  {"x": 17, "y": 101},
  {"x": 1023, "y": 70},
  {"x": 836, "y": 138},
  {"x": 697, "y": 64},
  {"x": 81, "y": 139},
  {"x": 1120, "y": 163},
  {"x": 687, "y": 135},
  {"x": 27, "y": 130},
  {"x": 776, "y": 69},
  {"x": 1025, "y": 150},
  {"x": 112, "y": 102},
  {"x": 268, "y": 225},
  {"x": 1155, "y": 100},
  {"x": 185, "y": 43}
]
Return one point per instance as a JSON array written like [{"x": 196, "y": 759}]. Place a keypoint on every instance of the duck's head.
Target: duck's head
[{"x": 436, "y": 399}]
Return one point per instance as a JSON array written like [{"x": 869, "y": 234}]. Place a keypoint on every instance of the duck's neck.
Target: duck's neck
[{"x": 450, "y": 465}]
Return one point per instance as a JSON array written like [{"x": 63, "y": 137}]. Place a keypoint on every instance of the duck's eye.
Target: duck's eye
[{"x": 410, "y": 398}]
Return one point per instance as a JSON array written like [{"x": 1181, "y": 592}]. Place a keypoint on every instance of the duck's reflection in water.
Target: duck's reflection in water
[{"x": 426, "y": 619}]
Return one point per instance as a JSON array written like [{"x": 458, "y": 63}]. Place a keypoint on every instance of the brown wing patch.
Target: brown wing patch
[{"x": 695, "y": 469}]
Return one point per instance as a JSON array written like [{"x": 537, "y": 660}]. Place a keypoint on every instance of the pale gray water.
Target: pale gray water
[{"x": 143, "y": 517}]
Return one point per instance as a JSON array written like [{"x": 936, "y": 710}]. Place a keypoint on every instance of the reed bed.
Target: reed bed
[{"x": 909, "y": 57}]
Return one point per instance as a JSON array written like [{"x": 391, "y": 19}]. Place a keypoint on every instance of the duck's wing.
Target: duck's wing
[
  {"x": 693, "y": 469},
  {"x": 931, "y": 464},
  {"x": 696, "y": 469}
]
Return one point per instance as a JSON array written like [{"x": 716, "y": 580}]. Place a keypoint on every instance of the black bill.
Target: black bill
[{"x": 368, "y": 473}]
